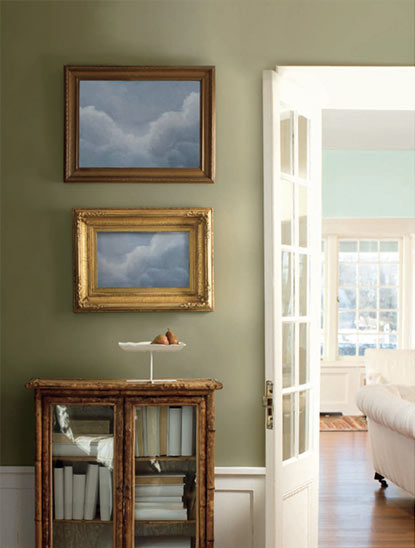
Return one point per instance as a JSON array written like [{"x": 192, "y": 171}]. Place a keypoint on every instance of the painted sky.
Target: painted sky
[
  {"x": 143, "y": 259},
  {"x": 139, "y": 124}
]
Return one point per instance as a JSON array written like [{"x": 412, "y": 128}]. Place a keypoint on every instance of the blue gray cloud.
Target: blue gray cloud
[
  {"x": 143, "y": 259},
  {"x": 139, "y": 124}
]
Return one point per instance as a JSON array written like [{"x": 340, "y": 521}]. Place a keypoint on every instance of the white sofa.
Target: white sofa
[{"x": 388, "y": 401}]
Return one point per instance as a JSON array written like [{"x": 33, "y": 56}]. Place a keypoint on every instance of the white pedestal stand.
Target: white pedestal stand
[{"x": 146, "y": 346}]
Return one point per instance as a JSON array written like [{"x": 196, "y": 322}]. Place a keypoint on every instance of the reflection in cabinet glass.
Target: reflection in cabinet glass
[
  {"x": 124, "y": 463},
  {"x": 82, "y": 464}
]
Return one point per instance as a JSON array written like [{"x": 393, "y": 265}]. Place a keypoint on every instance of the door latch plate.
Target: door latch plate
[{"x": 268, "y": 403}]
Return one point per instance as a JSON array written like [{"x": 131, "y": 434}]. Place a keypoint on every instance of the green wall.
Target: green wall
[
  {"x": 40, "y": 333},
  {"x": 368, "y": 183}
]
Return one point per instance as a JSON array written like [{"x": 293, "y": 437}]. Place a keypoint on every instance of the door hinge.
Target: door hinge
[{"x": 268, "y": 403}]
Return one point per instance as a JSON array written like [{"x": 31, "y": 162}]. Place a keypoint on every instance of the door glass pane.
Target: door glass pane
[
  {"x": 304, "y": 421},
  {"x": 303, "y": 147},
  {"x": 304, "y": 357},
  {"x": 82, "y": 475},
  {"x": 165, "y": 483},
  {"x": 288, "y": 425},
  {"x": 288, "y": 354},
  {"x": 287, "y": 212},
  {"x": 286, "y": 144},
  {"x": 302, "y": 216},
  {"x": 287, "y": 286},
  {"x": 303, "y": 281}
]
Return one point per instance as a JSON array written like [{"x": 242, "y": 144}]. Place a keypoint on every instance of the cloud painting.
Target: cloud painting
[
  {"x": 143, "y": 259},
  {"x": 139, "y": 124}
]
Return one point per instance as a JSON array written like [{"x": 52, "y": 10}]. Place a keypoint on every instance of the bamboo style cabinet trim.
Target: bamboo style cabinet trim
[{"x": 124, "y": 396}]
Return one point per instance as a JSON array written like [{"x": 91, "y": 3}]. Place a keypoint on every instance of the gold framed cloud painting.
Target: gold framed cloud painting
[
  {"x": 143, "y": 259},
  {"x": 137, "y": 124}
]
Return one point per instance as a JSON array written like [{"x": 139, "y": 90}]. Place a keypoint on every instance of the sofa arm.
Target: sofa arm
[{"x": 383, "y": 404}]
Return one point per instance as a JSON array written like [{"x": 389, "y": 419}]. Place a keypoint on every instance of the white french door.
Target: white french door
[{"x": 292, "y": 217}]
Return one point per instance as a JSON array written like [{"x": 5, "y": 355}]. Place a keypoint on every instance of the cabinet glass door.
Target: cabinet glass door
[
  {"x": 82, "y": 475},
  {"x": 165, "y": 486}
]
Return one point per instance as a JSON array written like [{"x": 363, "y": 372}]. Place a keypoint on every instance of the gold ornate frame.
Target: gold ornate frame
[
  {"x": 205, "y": 173},
  {"x": 90, "y": 298}
]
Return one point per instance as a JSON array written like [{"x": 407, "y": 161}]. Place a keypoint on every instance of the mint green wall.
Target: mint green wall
[
  {"x": 41, "y": 335},
  {"x": 368, "y": 183}
]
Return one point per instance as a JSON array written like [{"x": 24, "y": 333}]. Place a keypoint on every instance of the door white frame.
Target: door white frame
[
  {"x": 292, "y": 481},
  {"x": 360, "y": 88}
]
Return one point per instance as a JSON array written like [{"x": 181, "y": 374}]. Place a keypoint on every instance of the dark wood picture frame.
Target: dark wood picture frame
[{"x": 205, "y": 173}]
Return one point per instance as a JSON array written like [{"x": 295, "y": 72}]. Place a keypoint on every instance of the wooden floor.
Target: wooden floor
[{"x": 355, "y": 512}]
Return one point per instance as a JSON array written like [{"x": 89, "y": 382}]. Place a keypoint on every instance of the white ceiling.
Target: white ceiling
[{"x": 369, "y": 129}]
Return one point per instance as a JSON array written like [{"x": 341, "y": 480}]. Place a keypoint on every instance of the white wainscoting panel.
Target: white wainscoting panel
[
  {"x": 17, "y": 507},
  {"x": 239, "y": 507},
  {"x": 339, "y": 387}
]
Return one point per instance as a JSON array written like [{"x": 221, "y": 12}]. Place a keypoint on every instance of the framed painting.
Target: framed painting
[
  {"x": 143, "y": 259},
  {"x": 139, "y": 124}
]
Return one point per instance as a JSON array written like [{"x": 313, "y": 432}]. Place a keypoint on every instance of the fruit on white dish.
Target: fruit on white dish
[
  {"x": 160, "y": 339},
  {"x": 171, "y": 337}
]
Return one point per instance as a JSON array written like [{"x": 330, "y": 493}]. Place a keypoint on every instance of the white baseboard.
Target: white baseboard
[{"x": 239, "y": 507}]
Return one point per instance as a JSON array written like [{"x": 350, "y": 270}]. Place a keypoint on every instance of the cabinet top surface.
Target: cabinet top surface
[{"x": 125, "y": 384}]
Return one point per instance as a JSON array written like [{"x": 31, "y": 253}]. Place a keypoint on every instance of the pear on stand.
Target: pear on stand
[
  {"x": 160, "y": 343},
  {"x": 171, "y": 337},
  {"x": 160, "y": 339}
]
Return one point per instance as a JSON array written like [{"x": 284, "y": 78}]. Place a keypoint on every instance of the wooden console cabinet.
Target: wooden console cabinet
[{"x": 124, "y": 464}]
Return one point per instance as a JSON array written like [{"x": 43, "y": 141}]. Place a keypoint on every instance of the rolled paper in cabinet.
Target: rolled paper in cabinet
[
  {"x": 187, "y": 431},
  {"x": 105, "y": 493},
  {"x": 164, "y": 423},
  {"x": 67, "y": 489},
  {"x": 91, "y": 492},
  {"x": 78, "y": 495},
  {"x": 139, "y": 432},
  {"x": 175, "y": 432},
  {"x": 153, "y": 431}
]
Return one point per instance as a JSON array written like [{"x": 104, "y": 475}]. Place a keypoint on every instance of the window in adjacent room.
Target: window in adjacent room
[
  {"x": 368, "y": 295},
  {"x": 367, "y": 290}
]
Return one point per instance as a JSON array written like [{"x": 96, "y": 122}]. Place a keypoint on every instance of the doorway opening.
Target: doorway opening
[{"x": 295, "y": 98}]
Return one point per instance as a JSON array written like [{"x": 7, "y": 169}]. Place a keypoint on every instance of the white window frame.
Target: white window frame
[{"x": 334, "y": 230}]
